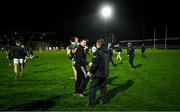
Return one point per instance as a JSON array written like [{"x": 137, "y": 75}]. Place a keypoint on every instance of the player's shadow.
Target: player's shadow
[
  {"x": 47, "y": 70},
  {"x": 120, "y": 88},
  {"x": 39, "y": 105},
  {"x": 118, "y": 63},
  {"x": 138, "y": 65},
  {"x": 110, "y": 80}
]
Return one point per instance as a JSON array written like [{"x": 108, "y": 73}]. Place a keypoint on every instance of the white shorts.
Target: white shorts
[{"x": 17, "y": 61}]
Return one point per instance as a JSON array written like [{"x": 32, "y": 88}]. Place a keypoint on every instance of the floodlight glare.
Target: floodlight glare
[{"x": 106, "y": 11}]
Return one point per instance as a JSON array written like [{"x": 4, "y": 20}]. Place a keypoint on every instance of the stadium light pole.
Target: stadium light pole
[
  {"x": 165, "y": 47},
  {"x": 106, "y": 12},
  {"x": 154, "y": 36}
]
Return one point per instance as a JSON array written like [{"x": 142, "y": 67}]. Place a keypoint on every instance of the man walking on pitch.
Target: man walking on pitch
[
  {"x": 131, "y": 56},
  {"x": 18, "y": 54}
]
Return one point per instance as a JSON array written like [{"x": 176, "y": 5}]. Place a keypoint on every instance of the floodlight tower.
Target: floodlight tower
[{"x": 106, "y": 12}]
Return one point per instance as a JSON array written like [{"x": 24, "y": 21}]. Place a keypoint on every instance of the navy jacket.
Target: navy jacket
[
  {"x": 99, "y": 67},
  {"x": 18, "y": 52}
]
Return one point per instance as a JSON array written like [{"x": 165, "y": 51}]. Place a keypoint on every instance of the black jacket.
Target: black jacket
[
  {"x": 18, "y": 52},
  {"x": 99, "y": 66},
  {"x": 80, "y": 56}
]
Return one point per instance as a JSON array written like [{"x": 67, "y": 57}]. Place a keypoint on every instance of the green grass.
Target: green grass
[{"x": 46, "y": 84}]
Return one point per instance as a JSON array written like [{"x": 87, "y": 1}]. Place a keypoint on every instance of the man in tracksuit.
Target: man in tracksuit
[
  {"x": 80, "y": 66},
  {"x": 98, "y": 73},
  {"x": 131, "y": 56}
]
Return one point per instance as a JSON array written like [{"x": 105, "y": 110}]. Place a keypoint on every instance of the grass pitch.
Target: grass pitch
[{"x": 46, "y": 84}]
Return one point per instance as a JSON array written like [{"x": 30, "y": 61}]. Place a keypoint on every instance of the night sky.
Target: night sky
[{"x": 81, "y": 17}]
